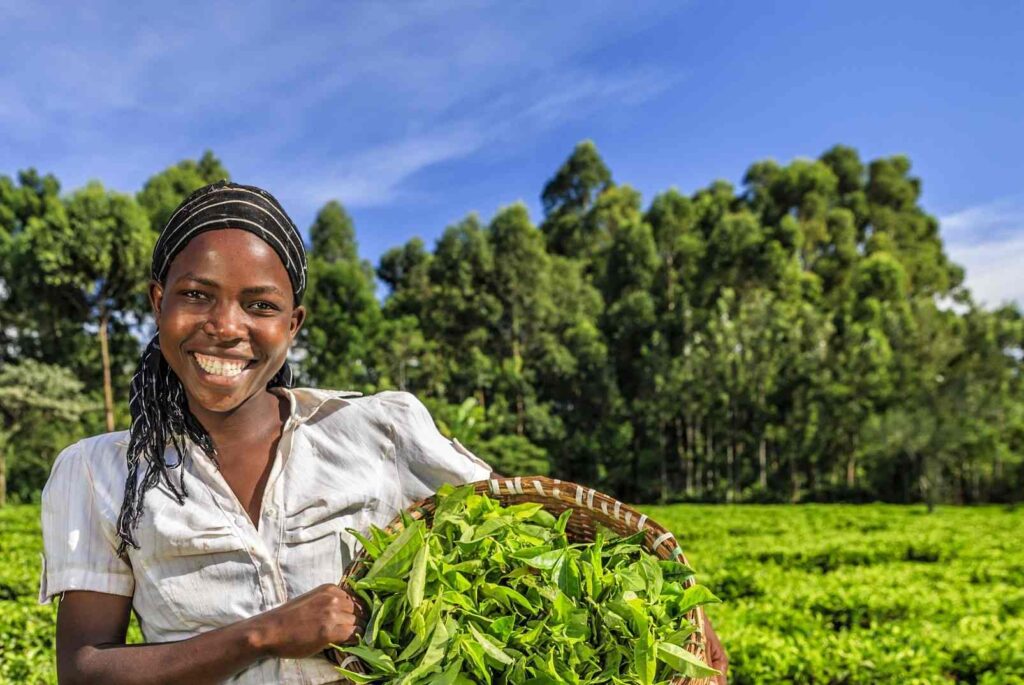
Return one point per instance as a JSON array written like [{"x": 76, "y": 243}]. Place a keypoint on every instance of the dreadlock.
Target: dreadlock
[{"x": 158, "y": 405}]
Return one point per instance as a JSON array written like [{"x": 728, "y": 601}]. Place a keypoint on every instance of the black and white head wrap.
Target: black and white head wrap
[{"x": 159, "y": 408}]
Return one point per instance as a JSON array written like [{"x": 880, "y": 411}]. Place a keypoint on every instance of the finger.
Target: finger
[
  {"x": 353, "y": 634},
  {"x": 359, "y": 610}
]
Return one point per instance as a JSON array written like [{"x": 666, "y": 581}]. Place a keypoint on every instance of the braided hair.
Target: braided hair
[{"x": 158, "y": 405}]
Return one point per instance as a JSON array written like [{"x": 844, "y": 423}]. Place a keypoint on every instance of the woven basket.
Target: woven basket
[{"x": 590, "y": 509}]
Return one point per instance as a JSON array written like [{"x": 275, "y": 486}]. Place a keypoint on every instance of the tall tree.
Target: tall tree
[
  {"x": 33, "y": 395},
  {"x": 97, "y": 254},
  {"x": 164, "y": 191},
  {"x": 342, "y": 335},
  {"x": 333, "y": 234},
  {"x": 569, "y": 195}
]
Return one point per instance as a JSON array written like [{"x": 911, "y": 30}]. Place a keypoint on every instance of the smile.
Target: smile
[{"x": 221, "y": 366}]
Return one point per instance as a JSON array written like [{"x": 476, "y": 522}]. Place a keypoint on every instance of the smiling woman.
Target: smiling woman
[{"x": 221, "y": 517}]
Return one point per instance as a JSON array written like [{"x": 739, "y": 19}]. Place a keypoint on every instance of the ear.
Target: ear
[
  {"x": 298, "y": 318},
  {"x": 156, "y": 297}
]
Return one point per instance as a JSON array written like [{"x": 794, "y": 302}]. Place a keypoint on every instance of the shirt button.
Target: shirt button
[{"x": 271, "y": 511}]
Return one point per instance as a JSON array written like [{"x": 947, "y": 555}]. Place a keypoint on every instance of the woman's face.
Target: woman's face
[{"x": 226, "y": 317}]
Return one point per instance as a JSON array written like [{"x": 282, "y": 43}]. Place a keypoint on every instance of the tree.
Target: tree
[
  {"x": 342, "y": 335},
  {"x": 569, "y": 195},
  {"x": 33, "y": 395},
  {"x": 163, "y": 192},
  {"x": 96, "y": 254},
  {"x": 333, "y": 234}
]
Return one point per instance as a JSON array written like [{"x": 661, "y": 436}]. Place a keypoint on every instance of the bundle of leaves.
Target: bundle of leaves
[{"x": 500, "y": 594}]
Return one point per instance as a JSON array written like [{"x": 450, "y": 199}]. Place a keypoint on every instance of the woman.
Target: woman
[{"x": 220, "y": 517}]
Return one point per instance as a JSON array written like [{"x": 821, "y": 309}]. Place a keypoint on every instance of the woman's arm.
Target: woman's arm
[{"x": 91, "y": 629}]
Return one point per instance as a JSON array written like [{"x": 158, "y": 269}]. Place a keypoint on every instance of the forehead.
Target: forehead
[{"x": 231, "y": 255}]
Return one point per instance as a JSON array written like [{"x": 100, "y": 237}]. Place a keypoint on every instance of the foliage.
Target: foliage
[
  {"x": 27, "y": 629},
  {"x": 499, "y": 593},
  {"x": 36, "y": 398},
  {"x": 164, "y": 191},
  {"x": 861, "y": 594},
  {"x": 802, "y": 337},
  {"x": 814, "y": 593}
]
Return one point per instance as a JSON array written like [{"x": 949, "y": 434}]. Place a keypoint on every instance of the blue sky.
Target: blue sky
[{"x": 414, "y": 114}]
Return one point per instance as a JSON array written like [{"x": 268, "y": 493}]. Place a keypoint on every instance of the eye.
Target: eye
[
  {"x": 264, "y": 306},
  {"x": 193, "y": 295}
]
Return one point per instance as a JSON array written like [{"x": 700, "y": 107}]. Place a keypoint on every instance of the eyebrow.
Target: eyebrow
[{"x": 253, "y": 290}]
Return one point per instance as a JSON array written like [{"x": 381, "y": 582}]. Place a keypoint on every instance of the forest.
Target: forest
[{"x": 801, "y": 337}]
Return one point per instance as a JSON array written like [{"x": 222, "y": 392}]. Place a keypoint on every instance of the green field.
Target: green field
[{"x": 815, "y": 593}]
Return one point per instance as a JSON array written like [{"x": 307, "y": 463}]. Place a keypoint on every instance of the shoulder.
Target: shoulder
[
  {"x": 385, "y": 404},
  {"x": 98, "y": 460},
  {"x": 395, "y": 401},
  {"x": 396, "y": 407}
]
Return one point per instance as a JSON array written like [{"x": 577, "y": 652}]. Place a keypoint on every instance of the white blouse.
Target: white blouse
[{"x": 343, "y": 461}]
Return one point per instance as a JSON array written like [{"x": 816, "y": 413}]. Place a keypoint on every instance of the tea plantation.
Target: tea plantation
[{"x": 814, "y": 593}]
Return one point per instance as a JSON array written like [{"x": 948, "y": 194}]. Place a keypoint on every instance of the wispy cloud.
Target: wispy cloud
[
  {"x": 358, "y": 97},
  {"x": 373, "y": 176},
  {"x": 988, "y": 241},
  {"x": 985, "y": 222}
]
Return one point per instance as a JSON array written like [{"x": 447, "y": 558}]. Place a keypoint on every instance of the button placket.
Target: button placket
[{"x": 271, "y": 531}]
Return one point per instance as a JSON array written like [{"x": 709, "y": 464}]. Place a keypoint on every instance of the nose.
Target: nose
[{"x": 226, "y": 321}]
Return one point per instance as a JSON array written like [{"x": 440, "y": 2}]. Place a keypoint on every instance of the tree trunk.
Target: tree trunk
[
  {"x": 108, "y": 391},
  {"x": 794, "y": 480},
  {"x": 3, "y": 475},
  {"x": 762, "y": 463},
  {"x": 710, "y": 452},
  {"x": 684, "y": 440},
  {"x": 664, "y": 488},
  {"x": 517, "y": 365}
]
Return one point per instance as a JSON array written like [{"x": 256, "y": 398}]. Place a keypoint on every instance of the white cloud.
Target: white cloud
[
  {"x": 373, "y": 176},
  {"x": 995, "y": 271},
  {"x": 357, "y": 97},
  {"x": 984, "y": 222},
  {"x": 988, "y": 241}
]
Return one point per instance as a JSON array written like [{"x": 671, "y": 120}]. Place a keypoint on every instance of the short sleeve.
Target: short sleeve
[
  {"x": 79, "y": 541},
  {"x": 426, "y": 459}
]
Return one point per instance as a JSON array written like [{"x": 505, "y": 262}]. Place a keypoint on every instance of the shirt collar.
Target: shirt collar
[{"x": 304, "y": 404}]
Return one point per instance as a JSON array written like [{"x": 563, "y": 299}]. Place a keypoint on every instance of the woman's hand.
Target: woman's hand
[{"x": 309, "y": 623}]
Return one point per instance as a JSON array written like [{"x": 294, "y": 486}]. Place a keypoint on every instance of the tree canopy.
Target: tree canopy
[{"x": 802, "y": 337}]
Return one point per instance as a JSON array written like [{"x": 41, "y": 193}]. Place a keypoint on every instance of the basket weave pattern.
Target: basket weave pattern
[{"x": 590, "y": 509}]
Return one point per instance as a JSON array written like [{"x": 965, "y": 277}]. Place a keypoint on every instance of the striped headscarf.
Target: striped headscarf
[{"x": 159, "y": 407}]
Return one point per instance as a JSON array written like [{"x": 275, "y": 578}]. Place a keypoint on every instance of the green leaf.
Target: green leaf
[
  {"x": 381, "y": 613},
  {"x": 376, "y": 659},
  {"x": 434, "y": 653},
  {"x": 645, "y": 661},
  {"x": 544, "y": 561},
  {"x": 490, "y": 648},
  {"x": 358, "y": 678},
  {"x": 683, "y": 662},
  {"x": 693, "y": 596},
  {"x": 567, "y": 575},
  {"x": 502, "y": 627},
  {"x": 373, "y": 549},
  {"x": 395, "y": 560},
  {"x": 418, "y": 577},
  {"x": 563, "y": 521}
]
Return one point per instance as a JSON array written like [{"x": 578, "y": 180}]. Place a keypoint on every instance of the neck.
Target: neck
[{"x": 253, "y": 419}]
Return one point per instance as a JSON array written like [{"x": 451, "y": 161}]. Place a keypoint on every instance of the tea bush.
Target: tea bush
[{"x": 838, "y": 594}]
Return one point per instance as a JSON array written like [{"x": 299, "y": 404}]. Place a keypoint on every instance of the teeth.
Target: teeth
[{"x": 218, "y": 366}]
